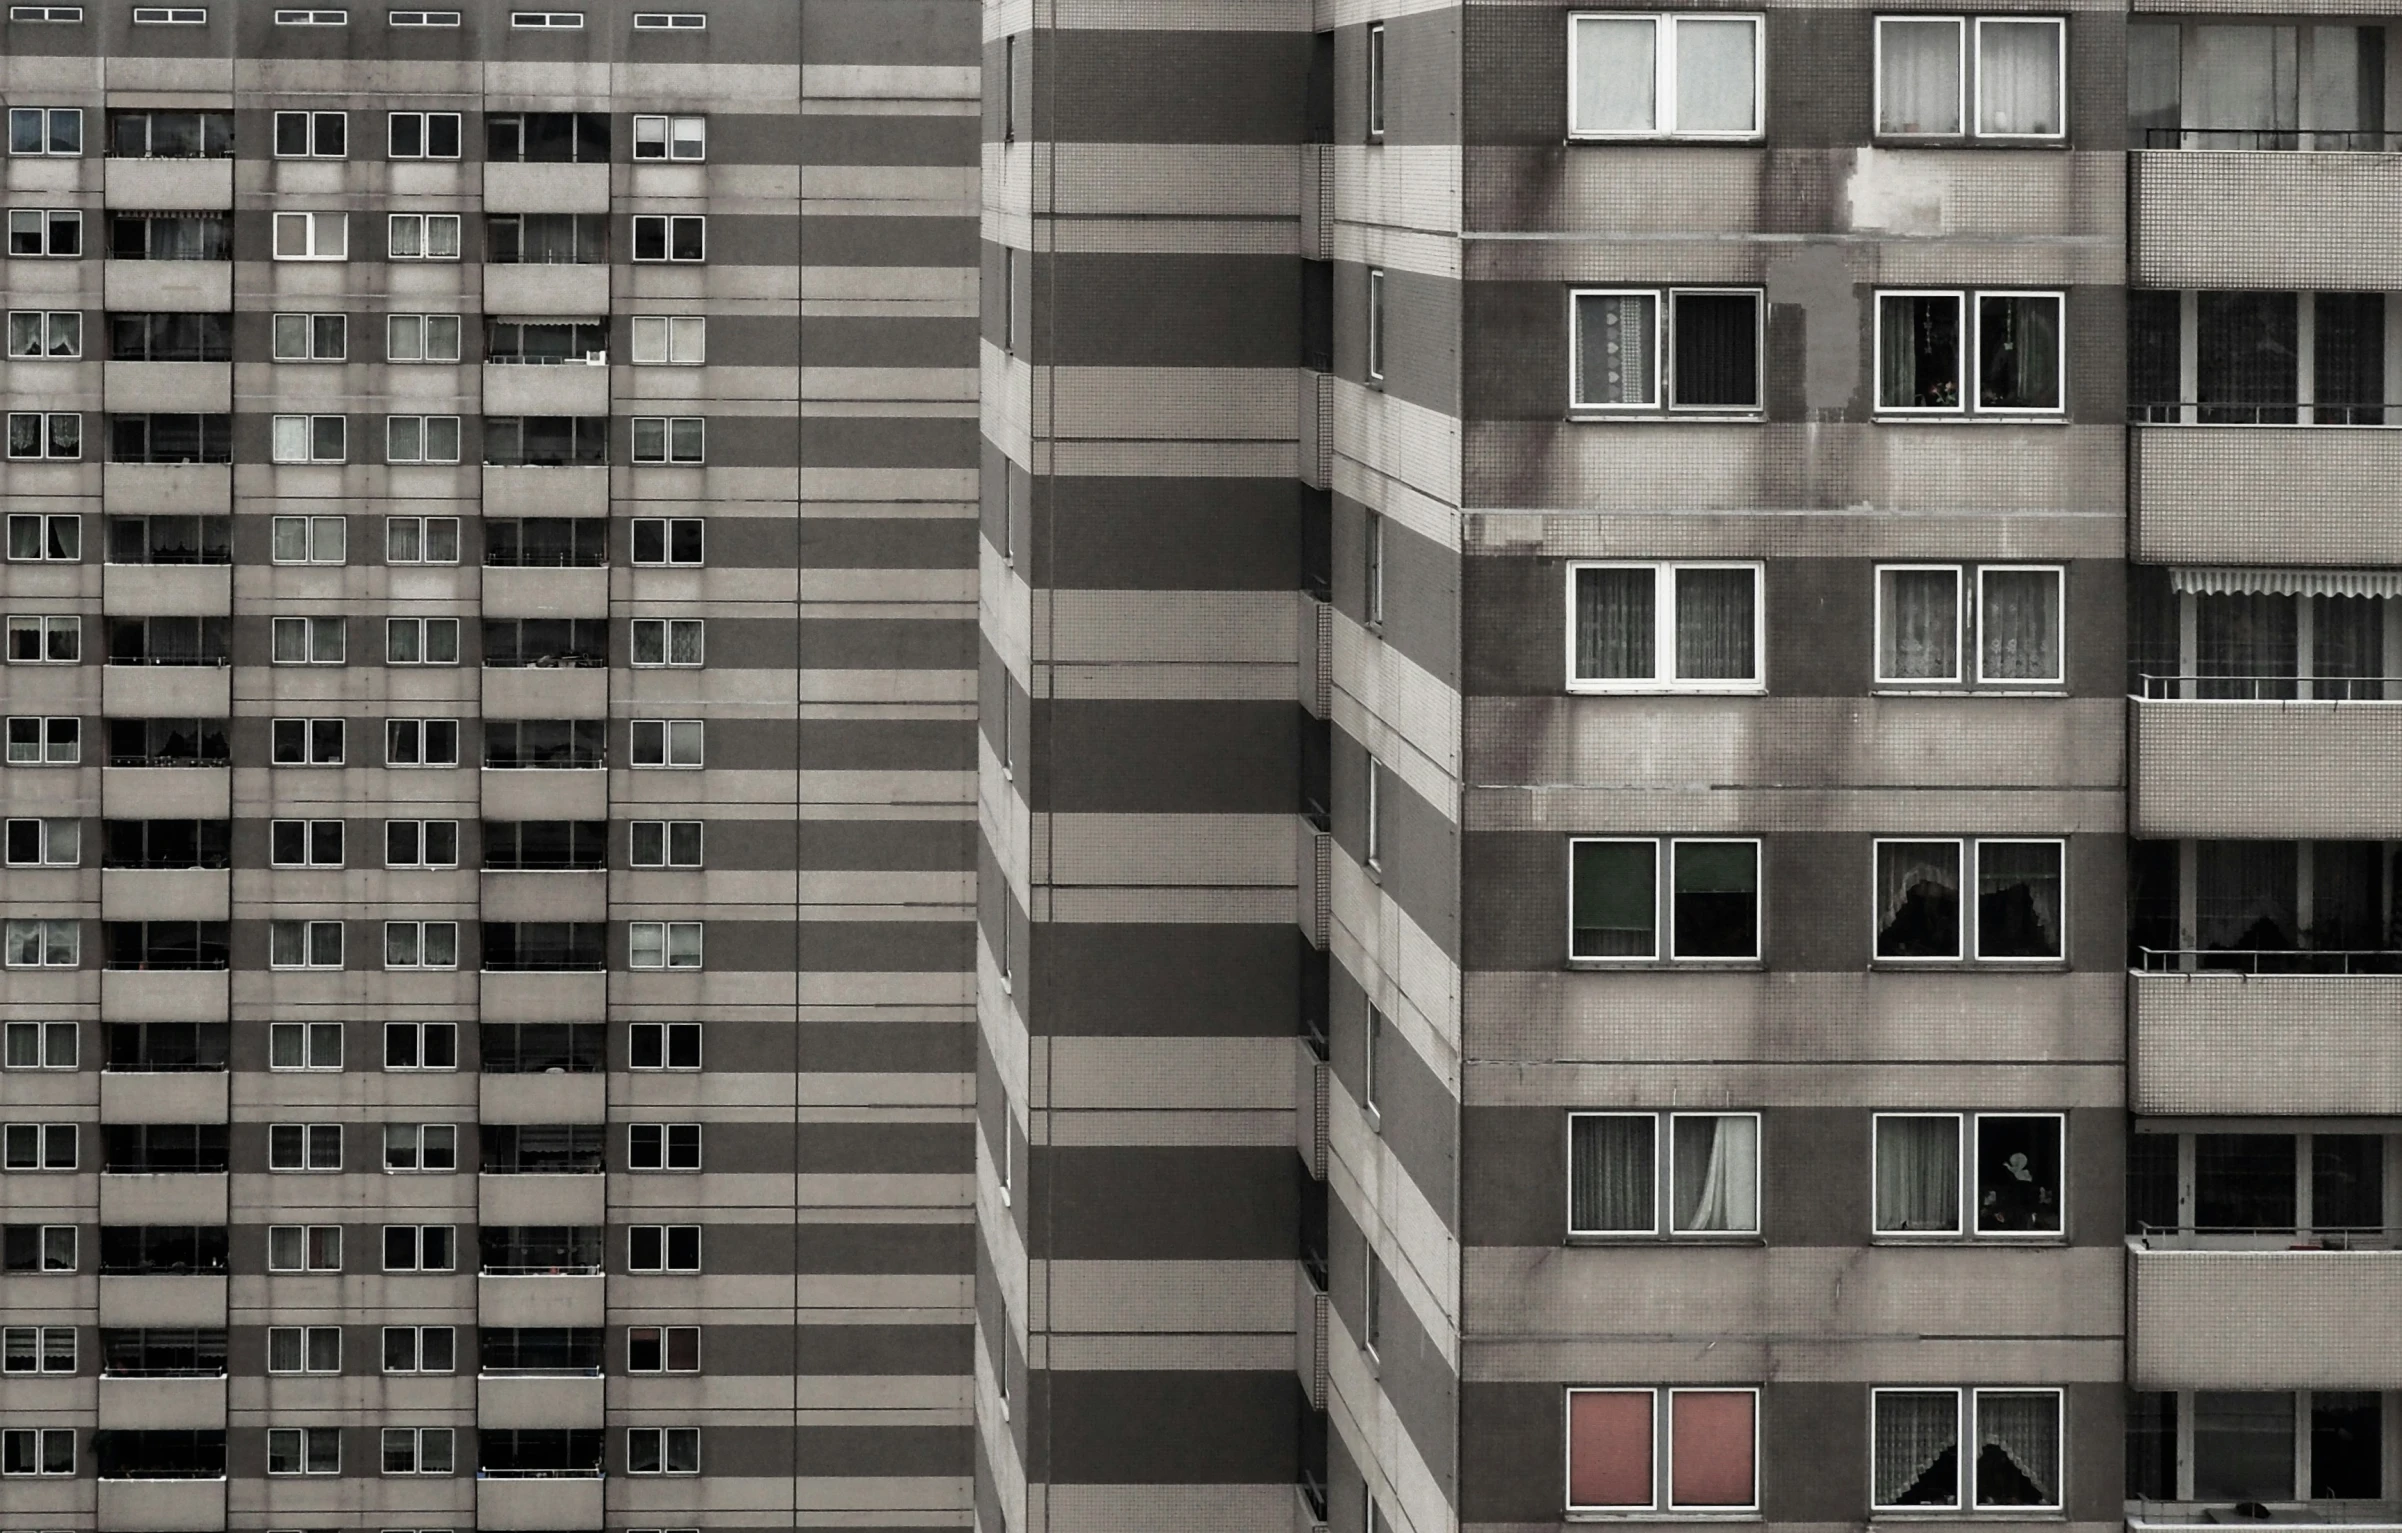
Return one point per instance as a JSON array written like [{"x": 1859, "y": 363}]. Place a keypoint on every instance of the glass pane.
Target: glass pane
[
  {"x": 1617, "y": 346},
  {"x": 1716, "y": 65},
  {"x": 1610, "y": 1174},
  {"x": 2018, "y": 352},
  {"x": 1617, "y": 74},
  {"x": 1918, "y": 364},
  {"x": 1717, "y": 900},
  {"x": 2347, "y": 1182},
  {"x": 2018, "y": 899},
  {"x": 1609, "y": 1448},
  {"x": 1613, "y": 900},
  {"x": 2244, "y": 1182},
  {"x": 1716, "y": 1167},
  {"x": 2247, "y": 361},
  {"x": 1715, "y": 625},
  {"x": 1918, "y": 899},
  {"x": 2019, "y": 628},
  {"x": 1918, "y": 625},
  {"x": 2018, "y": 78},
  {"x": 2347, "y": 1440},
  {"x": 1917, "y": 1448},
  {"x": 1918, "y": 1175},
  {"x": 1717, "y": 342},
  {"x": 1616, "y": 625},
  {"x": 1918, "y": 76},
  {"x": 2243, "y": 1446},
  {"x": 2018, "y": 1174},
  {"x": 1711, "y": 1439},
  {"x": 2244, "y": 82}
]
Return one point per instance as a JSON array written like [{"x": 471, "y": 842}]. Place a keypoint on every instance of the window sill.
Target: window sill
[
  {"x": 1647, "y": 1515},
  {"x": 2048, "y": 141},
  {"x": 1683, "y": 1239},
  {"x": 1645, "y": 689},
  {"x": 1680, "y": 140},
  {"x": 1655, "y": 417},
  {"x": 2048, "y": 1241},
  {"x": 2033, "y": 689},
  {"x": 2054, "y": 418},
  {"x": 1969, "y": 966},
  {"x": 1667, "y": 966}
]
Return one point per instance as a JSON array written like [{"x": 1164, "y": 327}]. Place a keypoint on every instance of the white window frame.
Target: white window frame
[
  {"x": 663, "y": 1153},
  {"x": 309, "y": 629},
  {"x": 58, "y": 842},
  {"x": 1971, "y": 67},
  {"x": 662, "y": 1333},
  {"x": 667, "y": 125},
  {"x": 665, "y": 1235},
  {"x": 49, "y": 135},
  {"x": 1968, "y": 376},
  {"x": 1961, "y": 638},
  {"x": 666, "y": 452},
  {"x": 322, "y": 539},
  {"x": 421, "y": 634},
  {"x": 1374, "y": 364},
  {"x": 424, "y": 841},
  {"x": 664, "y": 1435},
  {"x": 654, "y": 339},
  {"x": 666, "y": 1046},
  {"x": 421, "y": 1036},
  {"x": 1664, "y": 382},
  {"x": 417, "y": 1333},
  {"x": 307, "y": 1235},
  {"x": 670, "y": 735},
  {"x": 44, "y": 1146},
  {"x": 46, "y": 224},
  {"x": 1971, "y": 878},
  {"x": 303, "y": 1337},
  {"x": 309, "y": 844},
  {"x": 1663, "y": 644},
  {"x": 1963, "y": 1465},
  {"x": 419, "y": 1148},
  {"x": 53, "y": 1045},
  {"x": 1876, "y": 118},
  {"x": 425, "y": 135},
  {"x": 663, "y": 957},
  {"x": 424, "y": 226},
  {"x": 60, "y": 939},
  {"x": 1966, "y": 893},
  {"x": 50, "y": 326},
  {"x": 1663, "y": 1451},
  {"x": 48, "y": 436},
  {"x": 320, "y": 237},
  {"x": 421, "y": 18},
  {"x": 68, "y": 1237},
  {"x": 304, "y": 1137},
  {"x": 1664, "y": 95},
  {"x": 312, "y": 18},
  {"x": 421, "y": 349},
  {"x": 61, "y": 15},
  {"x": 46, "y": 528},
  {"x": 420, "y": 1445},
  {"x": 427, "y": 450},
  {"x": 662, "y": 631},
  {"x": 308, "y": 351},
  {"x": 170, "y": 15},
  {"x": 667, "y": 534},
  {"x": 40, "y": 1339},
  {"x": 671, "y": 21},
  {"x": 308, "y": 429},
  {"x": 311, "y": 121},
  {"x": 299, "y": 1444},
  {"x": 304, "y": 1038},
  {"x": 552, "y": 21},
  {"x": 43, "y": 1437},
  {"x": 58, "y": 637},
  {"x": 667, "y": 236},
  {"x": 419, "y": 731},
  {"x": 417, "y": 1240},
  {"x": 666, "y": 831},
  {"x": 418, "y": 935},
  {"x": 2059, "y": 574},
  {"x": 307, "y": 934},
  {"x": 428, "y": 531},
  {"x": 1966, "y": 1430}
]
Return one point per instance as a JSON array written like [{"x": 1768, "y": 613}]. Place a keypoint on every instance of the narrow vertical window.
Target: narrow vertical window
[
  {"x": 1372, "y": 573},
  {"x": 1376, "y": 324},
  {"x": 1376, "y": 80}
]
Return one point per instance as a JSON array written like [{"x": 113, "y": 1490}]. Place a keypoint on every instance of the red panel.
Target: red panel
[
  {"x": 1710, "y": 1448},
  {"x": 1609, "y": 1448}
]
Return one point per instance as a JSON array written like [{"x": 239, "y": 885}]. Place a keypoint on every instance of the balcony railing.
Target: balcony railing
[
  {"x": 2269, "y": 689},
  {"x": 2264, "y": 412},
  {"x": 2339, "y": 140},
  {"x": 2152, "y": 960},
  {"x": 2371, "y": 1238}
]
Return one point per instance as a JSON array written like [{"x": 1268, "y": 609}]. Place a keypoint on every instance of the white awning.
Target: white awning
[{"x": 2284, "y": 582}]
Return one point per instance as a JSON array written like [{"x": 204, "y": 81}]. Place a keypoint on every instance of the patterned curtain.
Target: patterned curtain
[
  {"x": 2018, "y": 1448},
  {"x": 2020, "y": 626},
  {"x": 1918, "y": 1448},
  {"x": 1921, "y": 638}
]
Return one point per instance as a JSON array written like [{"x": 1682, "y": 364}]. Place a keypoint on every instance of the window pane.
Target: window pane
[
  {"x": 1717, "y": 899},
  {"x": 1715, "y": 625},
  {"x": 1609, "y": 1448},
  {"x": 1617, "y": 363},
  {"x": 2243, "y": 1446},
  {"x": 1710, "y": 1448},
  {"x": 1715, "y": 69},
  {"x": 1918, "y": 1175},
  {"x": 1918, "y": 366},
  {"x": 1610, "y": 1174},
  {"x": 1918, "y": 899},
  {"x": 2347, "y": 1437},
  {"x": 1918, "y": 76},
  {"x": 2244, "y": 1182},
  {"x": 1617, "y": 75},
  {"x": 1616, "y": 626},
  {"x": 2247, "y": 350},
  {"x": 2018, "y": 1174},
  {"x": 2018, "y": 1448},
  {"x": 1613, "y": 905},
  {"x": 1716, "y": 1170},
  {"x": 2018, "y": 77},
  {"x": 2347, "y": 1181},
  {"x": 2018, "y": 352},
  {"x": 2019, "y": 626},
  {"x": 1918, "y": 619},
  {"x": 1917, "y": 1448},
  {"x": 1717, "y": 341},
  {"x": 2018, "y": 899}
]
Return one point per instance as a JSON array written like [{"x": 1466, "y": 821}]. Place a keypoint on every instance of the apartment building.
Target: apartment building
[
  {"x": 1770, "y": 629},
  {"x": 489, "y": 836}
]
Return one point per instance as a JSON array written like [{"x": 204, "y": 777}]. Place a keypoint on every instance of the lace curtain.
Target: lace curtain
[
  {"x": 2018, "y": 1448},
  {"x": 2018, "y": 899},
  {"x": 1917, "y": 1448},
  {"x": 2018, "y": 77},
  {"x": 2019, "y": 631},
  {"x": 1616, "y": 625},
  {"x": 1920, "y": 640},
  {"x": 2247, "y": 645},
  {"x": 1918, "y": 899},
  {"x": 1716, "y": 66},
  {"x": 1617, "y": 74},
  {"x": 1918, "y": 1174}
]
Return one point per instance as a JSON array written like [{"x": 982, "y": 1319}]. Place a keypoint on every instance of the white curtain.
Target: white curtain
[
  {"x": 2018, "y": 77},
  {"x": 1921, "y": 626},
  {"x": 1918, "y": 1174},
  {"x": 1714, "y": 625},
  {"x": 1915, "y": 1429},
  {"x": 1918, "y": 899},
  {"x": 2243, "y": 79},
  {"x": 1616, "y": 624},
  {"x": 1918, "y": 82},
  {"x": 1617, "y": 74},
  {"x": 1717, "y": 1169},
  {"x": 1716, "y": 65},
  {"x": 1610, "y": 1174},
  {"x": 2020, "y": 626},
  {"x": 2023, "y": 1428}
]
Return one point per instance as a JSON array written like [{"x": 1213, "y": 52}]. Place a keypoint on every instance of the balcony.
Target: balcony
[
  {"x": 504, "y": 1198},
  {"x": 162, "y": 1506},
  {"x": 546, "y": 289},
  {"x": 540, "y": 1298},
  {"x": 2225, "y": 217},
  {"x": 2273, "y": 494},
  {"x": 529, "y": 1400},
  {"x": 519, "y": 1505},
  {"x": 162, "y": 1404},
  {"x": 2212, "y": 1042},
  {"x": 169, "y": 185},
  {"x": 2205, "y": 1312}
]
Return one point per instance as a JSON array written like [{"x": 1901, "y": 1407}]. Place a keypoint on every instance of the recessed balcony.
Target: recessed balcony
[
  {"x": 2220, "y": 494},
  {"x": 2225, "y": 212},
  {"x": 2259, "y": 1312}
]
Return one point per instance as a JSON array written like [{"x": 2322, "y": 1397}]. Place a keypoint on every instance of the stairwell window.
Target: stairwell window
[
  {"x": 1666, "y": 628},
  {"x": 1685, "y": 349},
  {"x": 1930, "y": 363},
  {"x": 1665, "y": 76},
  {"x": 2011, "y": 1452},
  {"x": 1929, "y": 69},
  {"x": 1672, "y": 1451}
]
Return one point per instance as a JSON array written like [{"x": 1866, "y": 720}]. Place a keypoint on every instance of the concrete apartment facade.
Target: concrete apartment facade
[{"x": 1505, "y": 765}]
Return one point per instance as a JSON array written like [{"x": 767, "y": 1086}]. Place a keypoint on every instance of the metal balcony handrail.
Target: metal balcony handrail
[
  {"x": 2255, "y": 962},
  {"x": 2262, "y": 412},
  {"x": 2351, "y": 140},
  {"x": 2335, "y": 1238},
  {"x": 538, "y": 1474},
  {"x": 538, "y": 1370},
  {"x": 2170, "y": 688},
  {"x": 547, "y": 1269}
]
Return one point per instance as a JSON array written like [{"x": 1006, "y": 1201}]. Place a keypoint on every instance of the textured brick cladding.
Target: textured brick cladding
[
  {"x": 2265, "y": 495},
  {"x": 2264, "y": 1319},
  {"x": 2331, "y": 770},
  {"x": 2263, "y": 219},
  {"x": 2265, "y": 1043}
]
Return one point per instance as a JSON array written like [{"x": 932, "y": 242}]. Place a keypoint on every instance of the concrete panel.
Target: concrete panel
[
  {"x": 184, "y": 287},
  {"x": 174, "y": 1096},
  {"x": 2323, "y": 770},
  {"x": 2318, "y": 1044},
  {"x": 568, "y": 388},
  {"x": 541, "y": 1300},
  {"x": 542, "y": 1199},
  {"x": 535, "y": 795},
  {"x": 196, "y": 388},
  {"x": 172, "y": 488},
  {"x": 546, "y": 593},
  {"x": 537, "y": 188},
  {"x": 162, "y": 1301},
  {"x": 168, "y": 1506},
  {"x": 164, "y": 995},
  {"x": 167, "y": 691},
  {"x": 543, "y": 997},
  {"x": 2264, "y": 219},
  {"x": 561, "y": 896},
  {"x": 579, "y": 491},
  {"x": 162, "y": 1403},
  {"x": 168, "y": 186},
  {"x": 2265, "y": 1319},
  {"x": 534, "y": 692},
  {"x": 167, "y": 1197},
  {"x": 532, "y": 290},
  {"x": 543, "y": 1098},
  {"x": 516, "y": 1505},
  {"x": 167, "y": 793},
  {"x": 168, "y": 590},
  {"x": 2265, "y": 495},
  {"x": 538, "y": 1402},
  {"x": 167, "y": 894}
]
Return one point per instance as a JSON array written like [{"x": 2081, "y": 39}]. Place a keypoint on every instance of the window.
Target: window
[
  {"x": 45, "y": 843},
  {"x": 170, "y": 337},
  {"x": 1376, "y": 80},
  {"x": 663, "y": 1146},
  {"x": 1615, "y": 907},
  {"x": 308, "y": 539},
  {"x": 421, "y": 1248},
  {"x": 1622, "y": 1454},
  {"x": 545, "y": 845},
  {"x": 671, "y": 138},
  {"x": 165, "y": 1047},
  {"x": 663, "y": 1349},
  {"x": 304, "y": 1248},
  {"x": 304, "y": 843},
  {"x": 546, "y": 342},
  {"x": 1666, "y": 628},
  {"x": 663, "y": 1450},
  {"x": 418, "y": 1450},
  {"x": 1918, "y": 1443},
  {"x": 421, "y": 1045},
  {"x": 546, "y": 441},
  {"x": 304, "y": 944},
  {"x": 309, "y": 438},
  {"x": 170, "y": 540},
  {"x": 666, "y": 742},
  {"x": 421, "y": 1147},
  {"x": 1620, "y": 1180},
  {"x": 38, "y": 1046},
  {"x": 423, "y": 136},
  {"x": 166, "y": 945},
  {"x": 170, "y": 439},
  {"x": 165, "y": 135},
  {"x": 670, "y": 438},
  {"x": 663, "y": 944},
  {"x": 664, "y": 844},
  {"x": 421, "y": 742},
  {"x": 418, "y": 1348},
  {"x": 312, "y": 135},
  {"x": 304, "y": 1349},
  {"x": 663, "y": 1248},
  {"x": 1689, "y": 349},
  {"x": 546, "y": 239},
  {"x": 422, "y": 237},
  {"x": 45, "y": 334},
  {"x": 312, "y": 18},
  {"x": 670, "y": 540},
  {"x": 663, "y": 1046},
  {"x": 2020, "y": 900},
  {"x": 556, "y": 21},
  {"x": 421, "y": 944},
  {"x": 675, "y": 641},
  {"x": 304, "y": 1046},
  {"x": 304, "y": 1450},
  {"x": 421, "y": 641},
  {"x": 46, "y": 1147},
  {"x": 312, "y": 337},
  {"x": 2015, "y": 631},
  {"x": 56, "y": 232},
  {"x": 2016, "y": 1183},
  {"x": 547, "y": 137},
  {"x": 57, "y": 14},
  {"x": 304, "y": 1146},
  {"x": 670, "y": 21},
  {"x": 547, "y": 542},
  {"x": 308, "y": 641},
  {"x": 170, "y": 16},
  {"x": 37, "y": 1248},
  {"x": 170, "y": 237},
  {"x": 56, "y": 435},
  {"x": 53, "y": 434},
  {"x": 1372, "y": 836},
  {"x": 579, "y": 643},
  {"x": 311, "y": 237},
  {"x": 44, "y": 1349},
  {"x": 34, "y": 943},
  {"x": 421, "y": 540},
  {"x": 1375, "y": 327},
  {"x": 37, "y": 1450},
  {"x": 45, "y": 130},
  {"x": 421, "y": 843},
  {"x": 305, "y": 742},
  {"x": 46, "y": 537},
  {"x": 545, "y": 744},
  {"x": 1665, "y": 76},
  {"x": 421, "y": 18},
  {"x": 1925, "y": 363},
  {"x": 1923, "y": 88},
  {"x": 671, "y": 237},
  {"x": 421, "y": 338},
  {"x": 44, "y": 640}
]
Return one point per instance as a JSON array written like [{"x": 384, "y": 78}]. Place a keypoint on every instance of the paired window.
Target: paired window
[
  {"x": 1665, "y": 76},
  {"x": 304, "y": 944},
  {"x": 309, "y": 439},
  {"x": 2008, "y": 1438},
  {"x": 304, "y": 1450},
  {"x": 304, "y": 843},
  {"x": 421, "y": 18},
  {"x": 170, "y": 16},
  {"x": 41, "y": 943},
  {"x": 663, "y": 1146},
  {"x": 312, "y": 237},
  {"x": 670, "y": 540},
  {"x": 1681, "y": 349},
  {"x": 421, "y": 237},
  {"x": 2020, "y": 900},
  {"x": 421, "y": 1046},
  {"x": 418, "y": 1348},
  {"x": 44, "y": 843},
  {"x": 312, "y": 135},
  {"x": 421, "y": 944},
  {"x": 680, "y": 340},
  {"x": 671, "y": 237},
  {"x": 304, "y": 1146},
  {"x": 421, "y": 641},
  {"x": 671, "y": 138},
  {"x": 663, "y": 1248},
  {"x": 1931, "y": 618},
  {"x": 1663, "y": 1450},
  {"x": 51, "y": 1349},
  {"x": 42, "y": 1147},
  {"x": 37, "y": 335},
  {"x": 1624, "y": 1172},
  {"x": 307, "y": 640},
  {"x": 664, "y": 844},
  {"x": 45, "y": 130},
  {"x": 663, "y": 1046},
  {"x": 2010, "y": 1175},
  {"x": 421, "y": 338},
  {"x": 304, "y": 1349},
  {"x": 1930, "y": 68},
  {"x": 304, "y": 1046},
  {"x": 421, "y": 540},
  {"x": 670, "y": 439},
  {"x": 37, "y": 1450},
  {"x": 44, "y": 639},
  {"x": 421, "y": 1248},
  {"x": 37, "y": 1248},
  {"x": 67, "y": 15},
  {"x": 1930, "y": 362},
  {"x": 308, "y": 539},
  {"x": 663, "y": 944},
  {"x": 1666, "y": 628},
  {"x": 38, "y": 1046},
  {"x": 662, "y": 1349},
  {"x": 663, "y": 1450},
  {"x": 671, "y": 743},
  {"x": 1709, "y": 904},
  {"x": 423, "y": 136},
  {"x": 311, "y": 337},
  {"x": 668, "y": 641},
  {"x": 670, "y": 21},
  {"x": 421, "y": 843},
  {"x": 54, "y": 232},
  {"x": 53, "y": 434},
  {"x": 419, "y": 1450},
  {"x": 304, "y": 1248},
  {"x": 312, "y": 18},
  {"x": 421, "y": 742},
  {"x": 547, "y": 21},
  {"x": 421, "y": 1147}
]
